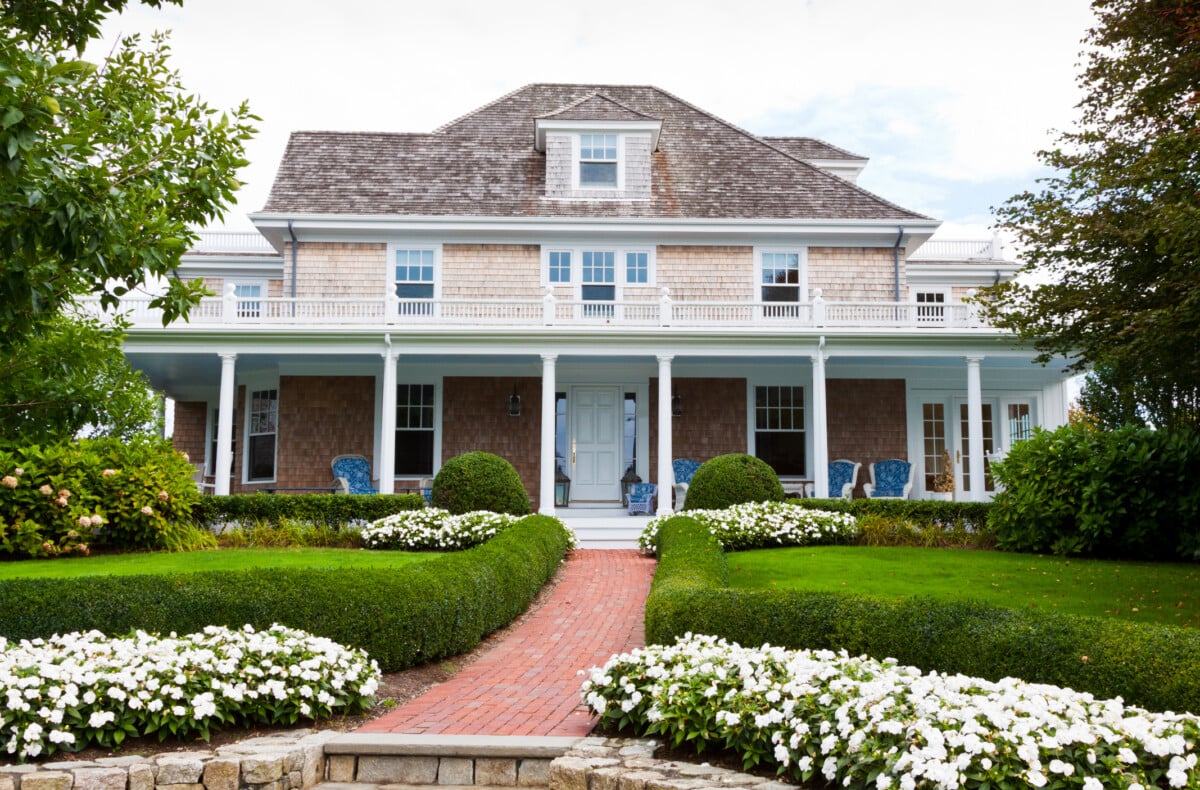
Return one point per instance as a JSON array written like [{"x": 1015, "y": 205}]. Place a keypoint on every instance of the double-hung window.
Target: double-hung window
[
  {"x": 414, "y": 272},
  {"x": 264, "y": 424},
  {"x": 598, "y": 160},
  {"x": 780, "y": 276},
  {"x": 414, "y": 430},
  {"x": 248, "y": 296},
  {"x": 779, "y": 437},
  {"x": 931, "y": 307},
  {"x": 599, "y": 283},
  {"x": 637, "y": 268}
]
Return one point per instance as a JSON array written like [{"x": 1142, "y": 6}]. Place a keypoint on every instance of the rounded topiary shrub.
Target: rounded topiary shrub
[
  {"x": 731, "y": 480},
  {"x": 479, "y": 481}
]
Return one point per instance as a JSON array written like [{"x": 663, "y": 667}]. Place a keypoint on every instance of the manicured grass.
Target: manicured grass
[
  {"x": 1146, "y": 592},
  {"x": 215, "y": 560}
]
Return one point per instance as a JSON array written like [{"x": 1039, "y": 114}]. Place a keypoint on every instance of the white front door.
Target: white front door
[
  {"x": 962, "y": 475},
  {"x": 595, "y": 444}
]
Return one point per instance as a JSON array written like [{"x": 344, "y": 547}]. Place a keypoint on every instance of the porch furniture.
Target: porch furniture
[
  {"x": 796, "y": 488},
  {"x": 684, "y": 468},
  {"x": 843, "y": 475},
  {"x": 642, "y": 497},
  {"x": 890, "y": 479},
  {"x": 352, "y": 475},
  {"x": 206, "y": 483}
]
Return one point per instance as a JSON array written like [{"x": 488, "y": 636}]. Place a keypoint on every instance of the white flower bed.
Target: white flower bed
[
  {"x": 759, "y": 524},
  {"x": 80, "y": 689},
  {"x": 434, "y": 529},
  {"x": 858, "y": 722}
]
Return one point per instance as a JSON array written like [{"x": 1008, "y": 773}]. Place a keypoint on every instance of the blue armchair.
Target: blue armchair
[
  {"x": 843, "y": 476},
  {"x": 642, "y": 497},
  {"x": 890, "y": 479},
  {"x": 684, "y": 468},
  {"x": 352, "y": 475}
]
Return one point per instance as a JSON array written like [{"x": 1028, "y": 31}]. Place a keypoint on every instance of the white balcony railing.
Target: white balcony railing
[
  {"x": 228, "y": 241},
  {"x": 304, "y": 312},
  {"x": 960, "y": 250}
]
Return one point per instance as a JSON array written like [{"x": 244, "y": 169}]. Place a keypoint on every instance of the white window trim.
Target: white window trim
[
  {"x": 802, "y": 262},
  {"x": 752, "y": 422},
  {"x": 401, "y": 474},
  {"x": 390, "y": 265},
  {"x": 251, "y": 388},
  {"x": 262, "y": 284},
  {"x": 620, "y": 271},
  {"x": 576, "y": 147}
]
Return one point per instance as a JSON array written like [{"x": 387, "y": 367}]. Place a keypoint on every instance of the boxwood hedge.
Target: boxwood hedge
[
  {"x": 326, "y": 510},
  {"x": 435, "y": 609},
  {"x": 1157, "y": 667}
]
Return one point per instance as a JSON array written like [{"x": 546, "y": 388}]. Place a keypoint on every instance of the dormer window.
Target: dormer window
[{"x": 598, "y": 160}]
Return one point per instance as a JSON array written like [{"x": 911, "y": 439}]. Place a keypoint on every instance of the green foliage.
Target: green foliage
[
  {"x": 332, "y": 511},
  {"x": 1157, "y": 667},
  {"x": 1112, "y": 235},
  {"x": 67, "y": 375},
  {"x": 1129, "y": 493},
  {"x": 60, "y": 498},
  {"x": 1109, "y": 400},
  {"x": 431, "y": 610},
  {"x": 479, "y": 481},
  {"x": 289, "y": 532},
  {"x": 731, "y": 480},
  {"x": 104, "y": 171}
]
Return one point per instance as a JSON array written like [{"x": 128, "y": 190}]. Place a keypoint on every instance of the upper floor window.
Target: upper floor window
[
  {"x": 560, "y": 266},
  {"x": 931, "y": 306},
  {"x": 781, "y": 277},
  {"x": 248, "y": 294},
  {"x": 606, "y": 269},
  {"x": 637, "y": 267},
  {"x": 414, "y": 274},
  {"x": 598, "y": 160}
]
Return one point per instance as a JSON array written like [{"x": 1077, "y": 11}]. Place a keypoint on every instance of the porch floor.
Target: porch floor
[{"x": 603, "y": 527}]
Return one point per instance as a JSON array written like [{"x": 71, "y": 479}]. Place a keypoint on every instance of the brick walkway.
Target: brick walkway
[{"x": 529, "y": 683}]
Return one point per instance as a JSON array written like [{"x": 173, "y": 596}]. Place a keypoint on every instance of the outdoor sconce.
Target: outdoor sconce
[
  {"x": 676, "y": 406},
  {"x": 562, "y": 487},
  {"x": 514, "y": 403}
]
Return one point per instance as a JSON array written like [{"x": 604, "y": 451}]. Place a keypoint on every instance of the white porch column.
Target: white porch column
[
  {"x": 547, "y": 469},
  {"x": 975, "y": 429},
  {"x": 666, "y": 473},
  {"x": 387, "y": 423},
  {"x": 820, "y": 472},
  {"x": 224, "y": 464}
]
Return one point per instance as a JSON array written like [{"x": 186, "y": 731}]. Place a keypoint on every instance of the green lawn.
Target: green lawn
[
  {"x": 1147, "y": 592},
  {"x": 215, "y": 560}
]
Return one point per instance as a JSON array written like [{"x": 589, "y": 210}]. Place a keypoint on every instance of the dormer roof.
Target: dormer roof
[
  {"x": 483, "y": 165},
  {"x": 596, "y": 112}
]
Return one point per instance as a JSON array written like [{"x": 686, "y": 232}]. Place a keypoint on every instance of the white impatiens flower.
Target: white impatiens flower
[{"x": 756, "y": 524}]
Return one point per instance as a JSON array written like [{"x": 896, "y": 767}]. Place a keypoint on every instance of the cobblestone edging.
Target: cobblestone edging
[
  {"x": 286, "y": 761},
  {"x": 620, "y": 764}
]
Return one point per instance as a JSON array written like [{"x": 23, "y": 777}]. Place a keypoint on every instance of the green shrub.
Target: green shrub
[
  {"x": 732, "y": 480},
  {"x": 332, "y": 511},
  {"x": 288, "y": 532},
  {"x": 430, "y": 610},
  {"x": 126, "y": 494},
  {"x": 479, "y": 481},
  {"x": 1153, "y": 666},
  {"x": 1128, "y": 493}
]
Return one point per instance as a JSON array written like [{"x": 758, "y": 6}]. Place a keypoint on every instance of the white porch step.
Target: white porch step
[{"x": 603, "y": 528}]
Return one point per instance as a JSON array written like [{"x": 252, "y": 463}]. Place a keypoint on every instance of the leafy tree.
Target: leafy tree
[
  {"x": 68, "y": 375},
  {"x": 1117, "y": 227},
  {"x": 102, "y": 168},
  {"x": 1111, "y": 401}
]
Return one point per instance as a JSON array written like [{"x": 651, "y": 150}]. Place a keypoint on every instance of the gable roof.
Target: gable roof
[
  {"x": 810, "y": 148},
  {"x": 597, "y": 107},
  {"x": 485, "y": 164}
]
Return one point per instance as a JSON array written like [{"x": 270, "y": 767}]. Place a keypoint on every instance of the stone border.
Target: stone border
[
  {"x": 287, "y": 761},
  {"x": 620, "y": 764}
]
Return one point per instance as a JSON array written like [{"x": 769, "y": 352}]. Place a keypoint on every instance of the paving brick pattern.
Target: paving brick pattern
[{"x": 529, "y": 683}]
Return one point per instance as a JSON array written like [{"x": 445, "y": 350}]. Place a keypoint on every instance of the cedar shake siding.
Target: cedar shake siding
[
  {"x": 491, "y": 271},
  {"x": 855, "y": 274},
  {"x": 724, "y": 274},
  {"x": 338, "y": 270},
  {"x": 475, "y": 417},
  {"x": 321, "y": 417},
  {"x": 713, "y": 421},
  {"x": 867, "y": 422},
  {"x": 188, "y": 436}
]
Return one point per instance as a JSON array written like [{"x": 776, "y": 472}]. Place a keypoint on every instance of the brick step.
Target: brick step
[{"x": 356, "y": 761}]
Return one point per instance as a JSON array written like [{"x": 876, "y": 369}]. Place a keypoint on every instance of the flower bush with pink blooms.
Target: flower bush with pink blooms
[{"x": 63, "y": 498}]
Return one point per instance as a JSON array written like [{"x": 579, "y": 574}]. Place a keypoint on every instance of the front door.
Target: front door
[
  {"x": 595, "y": 444},
  {"x": 961, "y": 473}
]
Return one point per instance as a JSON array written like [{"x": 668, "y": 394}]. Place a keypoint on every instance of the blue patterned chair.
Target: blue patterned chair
[
  {"x": 890, "y": 479},
  {"x": 642, "y": 497},
  {"x": 352, "y": 475},
  {"x": 684, "y": 468},
  {"x": 843, "y": 476}
]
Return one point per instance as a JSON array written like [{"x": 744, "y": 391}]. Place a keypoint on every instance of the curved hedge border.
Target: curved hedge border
[
  {"x": 1157, "y": 667},
  {"x": 327, "y": 510},
  {"x": 435, "y": 609}
]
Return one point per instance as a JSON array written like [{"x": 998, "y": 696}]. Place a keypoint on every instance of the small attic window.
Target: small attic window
[{"x": 598, "y": 160}]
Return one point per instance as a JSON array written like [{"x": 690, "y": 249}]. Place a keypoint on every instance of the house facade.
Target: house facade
[{"x": 589, "y": 281}]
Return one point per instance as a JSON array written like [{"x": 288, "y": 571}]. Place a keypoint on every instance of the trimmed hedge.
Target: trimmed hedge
[
  {"x": 732, "y": 479},
  {"x": 326, "y": 510},
  {"x": 1157, "y": 667},
  {"x": 479, "y": 481},
  {"x": 432, "y": 610}
]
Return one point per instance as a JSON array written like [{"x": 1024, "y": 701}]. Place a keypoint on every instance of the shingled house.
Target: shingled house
[{"x": 591, "y": 281}]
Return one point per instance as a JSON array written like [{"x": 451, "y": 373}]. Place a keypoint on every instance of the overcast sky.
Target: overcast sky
[{"x": 948, "y": 98}]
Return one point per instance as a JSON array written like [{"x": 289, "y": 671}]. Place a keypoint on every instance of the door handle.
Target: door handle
[
  {"x": 572, "y": 452},
  {"x": 958, "y": 457}
]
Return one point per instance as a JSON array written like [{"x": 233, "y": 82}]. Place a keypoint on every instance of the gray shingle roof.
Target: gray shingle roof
[
  {"x": 811, "y": 148},
  {"x": 485, "y": 164},
  {"x": 597, "y": 107}
]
